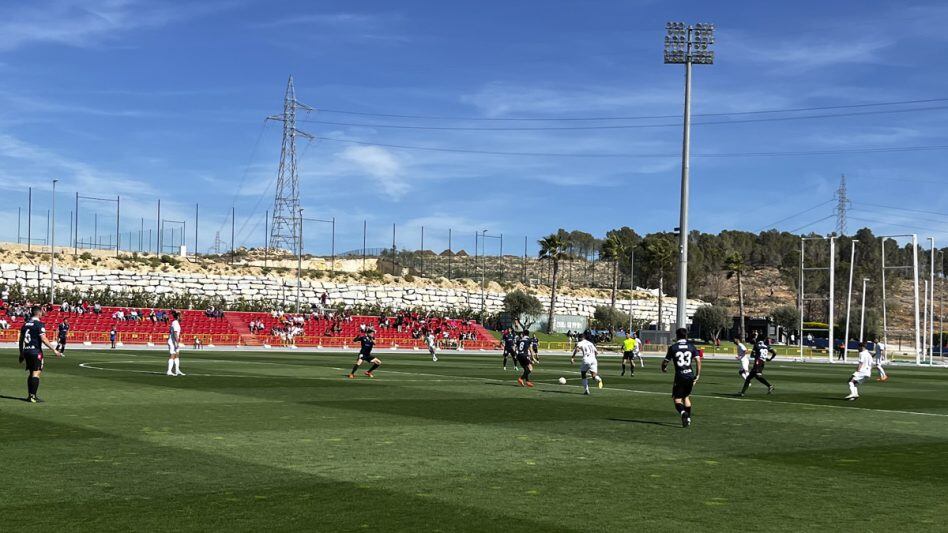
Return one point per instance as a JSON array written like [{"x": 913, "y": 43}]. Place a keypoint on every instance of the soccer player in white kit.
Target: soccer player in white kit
[
  {"x": 432, "y": 347},
  {"x": 590, "y": 363},
  {"x": 174, "y": 346},
  {"x": 862, "y": 373},
  {"x": 879, "y": 358},
  {"x": 743, "y": 357}
]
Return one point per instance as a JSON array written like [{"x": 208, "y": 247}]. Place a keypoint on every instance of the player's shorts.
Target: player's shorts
[
  {"x": 745, "y": 364},
  {"x": 171, "y": 349},
  {"x": 589, "y": 367},
  {"x": 628, "y": 355},
  {"x": 524, "y": 360},
  {"x": 366, "y": 356},
  {"x": 682, "y": 387},
  {"x": 858, "y": 380},
  {"x": 34, "y": 361}
]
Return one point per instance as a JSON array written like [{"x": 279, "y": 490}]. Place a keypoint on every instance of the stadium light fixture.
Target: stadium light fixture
[{"x": 687, "y": 45}]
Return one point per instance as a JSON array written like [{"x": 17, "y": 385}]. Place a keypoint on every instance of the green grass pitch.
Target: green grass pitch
[{"x": 282, "y": 441}]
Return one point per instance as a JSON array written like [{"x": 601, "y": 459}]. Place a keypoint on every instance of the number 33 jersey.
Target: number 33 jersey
[{"x": 682, "y": 354}]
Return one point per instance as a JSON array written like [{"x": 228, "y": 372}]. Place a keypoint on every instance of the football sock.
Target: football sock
[
  {"x": 585, "y": 383},
  {"x": 881, "y": 372},
  {"x": 762, "y": 380},
  {"x": 32, "y": 385},
  {"x": 680, "y": 408},
  {"x": 688, "y": 410},
  {"x": 526, "y": 374},
  {"x": 852, "y": 388},
  {"x": 597, "y": 378},
  {"x": 170, "y": 365},
  {"x": 746, "y": 384},
  {"x": 354, "y": 369},
  {"x": 374, "y": 366},
  {"x": 177, "y": 364},
  {"x": 623, "y": 369}
]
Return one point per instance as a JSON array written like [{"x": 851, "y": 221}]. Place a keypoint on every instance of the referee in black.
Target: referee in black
[{"x": 32, "y": 340}]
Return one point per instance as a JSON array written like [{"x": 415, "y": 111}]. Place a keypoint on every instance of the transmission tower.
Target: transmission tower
[
  {"x": 217, "y": 243},
  {"x": 285, "y": 228},
  {"x": 842, "y": 205}
]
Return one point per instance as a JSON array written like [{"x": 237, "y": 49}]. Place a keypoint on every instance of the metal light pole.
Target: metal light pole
[
  {"x": 299, "y": 265},
  {"x": 931, "y": 305},
  {"x": 862, "y": 318},
  {"x": 631, "y": 287},
  {"x": 849, "y": 299},
  {"x": 52, "y": 250},
  {"x": 686, "y": 45},
  {"x": 483, "y": 275}
]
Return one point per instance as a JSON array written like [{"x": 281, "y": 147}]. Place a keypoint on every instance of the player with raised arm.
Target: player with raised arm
[
  {"x": 879, "y": 358},
  {"x": 685, "y": 357},
  {"x": 590, "y": 364},
  {"x": 761, "y": 353},
  {"x": 174, "y": 346},
  {"x": 534, "y": 348},
  {"x": 628, "y": 353},
  {"x": 32, "y": 340},
  {"x": 367, "y": 343},
  {"x": 863, "y": 372},
  {"x": 524, "y": 349}
]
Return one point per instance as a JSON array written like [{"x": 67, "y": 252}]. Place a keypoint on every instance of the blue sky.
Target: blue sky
[{"x": 158, "y": 99}]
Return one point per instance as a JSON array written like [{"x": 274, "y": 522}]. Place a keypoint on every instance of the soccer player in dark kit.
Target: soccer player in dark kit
[
  {"x": 367, "y": 340},
  {"x": 32, "y": 340},
  {"x": 761, "y": 353},
  {"x": 524, "y": 352},
  {"x": 685, "y": 357},
  {"x": 509, "y": 341},
  {"x": 61, "y": 333}
]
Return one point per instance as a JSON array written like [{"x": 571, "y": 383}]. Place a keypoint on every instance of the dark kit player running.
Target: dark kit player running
[
  {"x": 524, "y": 352},
  {"x": 685, "y": 356},
  {"x": 61, "y": 334},
  {"x": 760, "y": 355},
  {"x": 32, "y": 340},
  {"x": 509, "y": 341},
  {"x": 367, "y": 341}
]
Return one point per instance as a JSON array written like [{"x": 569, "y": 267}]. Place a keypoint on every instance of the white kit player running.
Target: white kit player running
[
  {"x": 432, "y": 347},
  {"x": 862, "y": 373},
  {"x": 590, "y": 363},
  {"x": 743, "y": 357},
  {"x": 174, "y": 346},
  {"x": 879, "y": 358}
]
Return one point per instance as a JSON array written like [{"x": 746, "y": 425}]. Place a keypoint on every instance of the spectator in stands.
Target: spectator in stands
[
  {"x": 4, "y": 325},
  {"x": 5, "y": 294},
  {"x": 133, "y": 315},
  {"x": 97, "y": 308}
]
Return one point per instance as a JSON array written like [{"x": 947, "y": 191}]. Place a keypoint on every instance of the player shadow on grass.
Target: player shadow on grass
[
  {"x": 4, "y": 397},
  {"x": 649, "y": 422}
]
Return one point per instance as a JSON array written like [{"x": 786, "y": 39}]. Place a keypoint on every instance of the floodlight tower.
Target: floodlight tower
[{"x": 686, "y": 45}]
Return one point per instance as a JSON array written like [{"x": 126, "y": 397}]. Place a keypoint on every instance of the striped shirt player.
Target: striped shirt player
[
  {"x": 687, "y": 360},
  {"x": 590, "y": 364},
  {"x": 761, "y": 353},
  {"x": 31, "y": 342}
]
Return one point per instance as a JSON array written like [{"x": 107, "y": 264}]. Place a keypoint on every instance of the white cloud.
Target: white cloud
[
  {"x": 83, "y": 23},
  {"x": 381, "y": 165}
]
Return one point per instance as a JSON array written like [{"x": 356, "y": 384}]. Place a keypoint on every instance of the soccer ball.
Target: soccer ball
[{"x": 562, "y": 381}]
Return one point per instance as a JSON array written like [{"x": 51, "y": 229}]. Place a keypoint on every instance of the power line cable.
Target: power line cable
[
  {"x": 638, "y": 117},
  {"x": 921, "y": 211},
  {"x": 642, "y": 155},
  {"x": 794, "y": 230},
  {"x": 774, "y": 224},
  {"x": 619, "y": 126}
]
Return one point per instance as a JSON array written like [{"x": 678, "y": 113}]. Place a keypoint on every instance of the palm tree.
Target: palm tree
[
  {"x": 613, "y": 249},
  {"x": 553, "y": 248},
  {"x": 660, "y": 255},
  {"x": 735, "y": 266}
]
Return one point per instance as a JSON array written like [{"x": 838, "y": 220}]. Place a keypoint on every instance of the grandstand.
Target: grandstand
[{"x": 232, "y": 329}]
